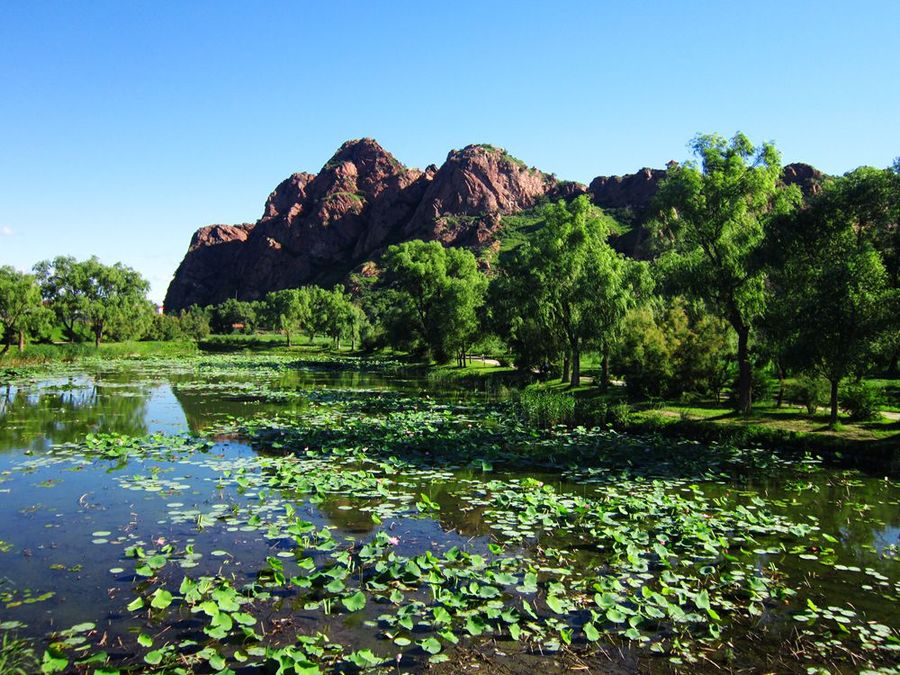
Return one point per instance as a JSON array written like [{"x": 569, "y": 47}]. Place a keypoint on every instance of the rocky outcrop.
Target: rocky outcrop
[
  {"x": 316, "y": 228},
  {"x": 468, "y": 195},
  {"x": 212, "y": 257},
  {"x": 287, "y": 197},
  {"x": 808, "y": 178},
  {"x": 632, "y": 191}
]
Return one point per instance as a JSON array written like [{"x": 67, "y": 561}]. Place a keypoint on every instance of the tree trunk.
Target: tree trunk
[
  {"x": 744, "y": 393},
  {"x": 781, "y": 375},
  {"x": 604, "y": 373},
  {"x": 97, "y": 333},
  {"x": 21, "y": 340},
  {"x": 288, "y": 334},
  {"x": 565, "y": 369},
  {"x": 576, "y": 366},
  {"x": 834, "y": 401}
]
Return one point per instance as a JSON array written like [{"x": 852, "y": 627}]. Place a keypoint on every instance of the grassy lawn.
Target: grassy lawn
[
  {"x": 768, "y": 425},
  {"x": 788, "y": 418}
]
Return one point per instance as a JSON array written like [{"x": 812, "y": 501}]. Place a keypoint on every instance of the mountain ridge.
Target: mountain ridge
[{"x": 316, "y": 228}]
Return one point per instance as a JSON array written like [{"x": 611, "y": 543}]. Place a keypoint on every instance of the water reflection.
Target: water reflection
[{"x": 36, "y": 417}]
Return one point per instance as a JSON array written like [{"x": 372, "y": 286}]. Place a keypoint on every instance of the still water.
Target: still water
[{"x": 71, "y": 522}]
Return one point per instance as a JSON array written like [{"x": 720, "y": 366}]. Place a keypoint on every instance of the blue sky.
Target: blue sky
[{"x": 124, "y": 126}]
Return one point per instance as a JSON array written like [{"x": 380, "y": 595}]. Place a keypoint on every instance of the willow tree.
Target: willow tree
[
  {"x": 436, "y": 294},
  {"x": 288, "y": 310},
  {"x": 711, "y": 222},
  {"x": 568, "y": 280},
  {"x": 837, "y": 300},
  {"x": 21, "y": 310}
]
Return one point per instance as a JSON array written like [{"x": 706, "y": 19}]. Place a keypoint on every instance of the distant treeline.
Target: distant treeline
[{"x": 747, "y": 277}]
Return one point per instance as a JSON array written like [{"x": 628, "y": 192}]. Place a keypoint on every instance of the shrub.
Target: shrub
[
  {"x": 808, "y": 391},
  {"x": 546, "y": 408},
  {"x": 863, "y": 401},
  {"x": 620, "y": 414},
  {"x": 591, "y": 412},
  {"x": 670, "y": 352}
]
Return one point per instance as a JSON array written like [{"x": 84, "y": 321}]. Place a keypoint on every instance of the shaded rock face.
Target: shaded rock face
[
  {"x": 808, "y": 178},
  {"x": 289, "y": 194},
  {"x": 214, "y": 253},
  {"x": 634, "y": 190},
  {"x": 316, "y": 228}
]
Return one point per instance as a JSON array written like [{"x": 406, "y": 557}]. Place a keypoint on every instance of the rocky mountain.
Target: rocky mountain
[{"x": 315, "y": 228}]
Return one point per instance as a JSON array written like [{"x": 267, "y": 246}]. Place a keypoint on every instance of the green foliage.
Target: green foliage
[
  {"x": 232, "y": 316},
  {"x": 546, "y": 409},
  {"x": 288, "y": 310},
  {"x": 711, "y": 226},
  {"x": 17, "y": 656},
  {"x": 809, "y": 391},
  {"x": 334, "y": 314},
  {"x": 674, "y": 351},
  {"x": 863, "y": 401},
  {"x": 104, "y": 299},
  {"x": 837, "y": 303},
  {"x": 189, "y": 324},
  {"x": 432, "y": 297},
  {"x": 21, "y": 311},
  {"x": 645, "y": 355},
  {"x": 565, "y": 289}
]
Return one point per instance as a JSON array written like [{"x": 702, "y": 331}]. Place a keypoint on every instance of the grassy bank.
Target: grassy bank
[
  {"x": 40, "y": 354},
  {"x": 873, "y": 444}
]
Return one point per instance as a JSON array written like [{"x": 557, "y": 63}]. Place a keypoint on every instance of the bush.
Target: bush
[
  {"x": 591, "y": 412},
  {"x": 808, "y": 391},
  {"x": 676, "y": 351},
  {"x": 546, "y": 408},
  {"x": 620, "y": 414},
  {"x": 863, "y": 401}
]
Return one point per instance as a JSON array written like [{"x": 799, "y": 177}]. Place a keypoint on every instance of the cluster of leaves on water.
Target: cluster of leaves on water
[{"x": 636, "y": 541}]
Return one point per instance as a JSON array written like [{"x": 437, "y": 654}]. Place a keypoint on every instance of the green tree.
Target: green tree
[
  {"x": 225, "y": 317},
  {"x": 436, "y": 294},
  {"x": 287, "y": 310},
  {"x": 568, "y": 281},
  {"x": 712, "y": 220},
  {"x": 62, "y": 281},
  {"x": 99, "y": 297},
  {"x": 194, "y": 322},
  {"x": 672, "y": 349},
  {"x": 340, "y": 319},
  {"x": 21, "y": 310},
  {"x": 837, "y": 301},
  {"x": 113, "y": 297},
  {"x": 536, "y": 342}
]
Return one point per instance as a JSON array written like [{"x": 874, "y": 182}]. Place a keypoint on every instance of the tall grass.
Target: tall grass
[
  {"x": 17, "y": 656},
  {"x": 546, "y": 408},
  {"x": 80, "y": 351}
]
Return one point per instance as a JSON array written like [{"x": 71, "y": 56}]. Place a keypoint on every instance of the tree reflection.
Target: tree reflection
[{"x": 37, "y": 417}]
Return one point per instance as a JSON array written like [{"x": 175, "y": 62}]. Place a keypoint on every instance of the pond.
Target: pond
[{"x": 274, "y": 514}]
